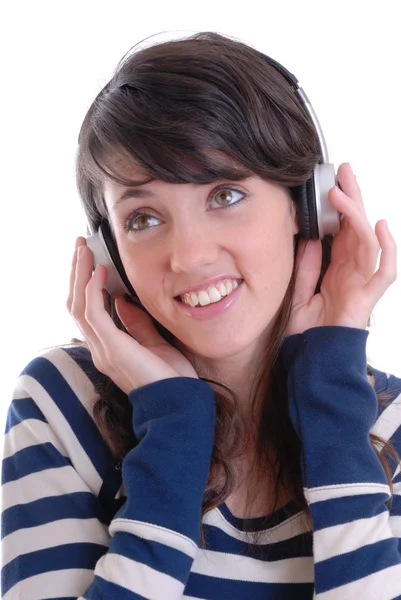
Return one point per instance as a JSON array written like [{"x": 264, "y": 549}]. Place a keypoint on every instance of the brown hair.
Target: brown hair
[{"x": 179, "y": 110}]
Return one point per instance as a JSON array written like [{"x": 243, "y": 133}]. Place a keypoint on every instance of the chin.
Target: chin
[{"x": 211, "y": 349}]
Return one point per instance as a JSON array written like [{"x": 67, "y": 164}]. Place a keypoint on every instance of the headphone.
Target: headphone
[{"x": 317, "y": 216}]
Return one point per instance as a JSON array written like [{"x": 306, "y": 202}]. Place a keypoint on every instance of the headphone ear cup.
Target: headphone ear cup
[
  {"x": 316, "y": 215},
  {"x": 306, "y": 206},
  {"x": 328, "y": 218},
  {"x": 105, "y": 252}
]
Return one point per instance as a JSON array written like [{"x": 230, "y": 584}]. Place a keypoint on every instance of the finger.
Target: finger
[
  {"x": 349, "y": 185},
  {"x": 95, "y": 312},
  {"x": 78, "y": 242},
  {"x": 138, "y": 323},
  {"x": 83, "y": 275},
  {"x": 360, "y": 239},
  {"x": 309, "y": 263},
  {"x": 387, "y": 271}
]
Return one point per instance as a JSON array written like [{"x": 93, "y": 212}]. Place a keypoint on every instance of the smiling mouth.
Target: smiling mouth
[{"x": 213, "y": 295}]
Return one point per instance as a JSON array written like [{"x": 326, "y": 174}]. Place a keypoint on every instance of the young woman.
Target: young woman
[{"x": 218, "y": 433}]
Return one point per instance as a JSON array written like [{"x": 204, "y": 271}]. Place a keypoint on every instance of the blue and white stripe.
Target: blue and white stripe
[{"x": 72, "y": 530}]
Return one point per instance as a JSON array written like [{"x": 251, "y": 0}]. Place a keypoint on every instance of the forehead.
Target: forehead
[
  {"x": 125, "y": 174},
  {"x": 123, "y": 171},
  {"x": 206, "y": 167}
]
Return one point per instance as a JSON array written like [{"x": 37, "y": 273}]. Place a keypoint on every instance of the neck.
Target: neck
[{"x": 240, "y": 374}]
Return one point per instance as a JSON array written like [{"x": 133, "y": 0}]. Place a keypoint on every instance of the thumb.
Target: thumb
[{"x": 137, "y": 322}]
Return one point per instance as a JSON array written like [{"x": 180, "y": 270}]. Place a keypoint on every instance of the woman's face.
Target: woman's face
[{"x": 186, "y": 234}]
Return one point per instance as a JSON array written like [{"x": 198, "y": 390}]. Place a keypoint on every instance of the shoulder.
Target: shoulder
[
  {"x": 51, "y": 413},
  {"x": 64, "y": 375},
  {"x": 60, "y": 384}
]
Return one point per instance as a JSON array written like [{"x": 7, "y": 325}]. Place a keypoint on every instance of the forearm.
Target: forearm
[
  {"x": 333, "y": 408},
  {"x": 155, "y": 534}
]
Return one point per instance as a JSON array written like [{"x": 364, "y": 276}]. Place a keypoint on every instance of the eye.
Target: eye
[
  {"x": 140, "y": 221},
  {"x": 227, "y": 196}
]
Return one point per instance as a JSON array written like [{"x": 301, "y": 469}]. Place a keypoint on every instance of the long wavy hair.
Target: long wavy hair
[{"x": 173, "y": 108}]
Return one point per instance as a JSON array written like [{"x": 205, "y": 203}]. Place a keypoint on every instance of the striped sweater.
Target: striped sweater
[{"x": 75, "y": 524}]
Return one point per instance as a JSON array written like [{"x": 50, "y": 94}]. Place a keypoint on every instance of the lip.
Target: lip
[
  {"x": 206, "y": 284},
  {"x": 211, "y": 310}
]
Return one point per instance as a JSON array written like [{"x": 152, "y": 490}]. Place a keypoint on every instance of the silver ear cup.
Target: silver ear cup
[
  {"x": 328, "y": 218},
  {"x": 114, "y": 284}
]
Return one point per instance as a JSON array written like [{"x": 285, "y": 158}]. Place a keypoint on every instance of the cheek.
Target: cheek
[
  {"x": 270, "y": 254},
  {"x": 141, "y": 273},
  {"x": 147, "y": 277}
]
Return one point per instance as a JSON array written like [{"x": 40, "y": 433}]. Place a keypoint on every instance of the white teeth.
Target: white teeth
[
  {"x": 203, "y": 298},
  {"x": 222, "y": 288},
  {"x": 214, "y": 293}
]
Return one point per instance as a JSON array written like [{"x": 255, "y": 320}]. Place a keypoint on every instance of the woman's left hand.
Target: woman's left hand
[{"x": 351, "y": 286}]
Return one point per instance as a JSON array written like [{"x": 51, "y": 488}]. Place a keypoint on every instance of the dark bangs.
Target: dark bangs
[{"x": 194, "y": 110}]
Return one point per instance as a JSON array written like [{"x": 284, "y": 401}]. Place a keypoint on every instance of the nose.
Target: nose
[{"x": 192, "y": 248}]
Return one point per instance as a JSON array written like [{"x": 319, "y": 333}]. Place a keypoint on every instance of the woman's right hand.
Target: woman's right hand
[{"x": 131, "y": 362}]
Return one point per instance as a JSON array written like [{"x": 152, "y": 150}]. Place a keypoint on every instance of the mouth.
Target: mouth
[
  {"x": 200, "y": 305},
  {"x": 211, "y": 309}
]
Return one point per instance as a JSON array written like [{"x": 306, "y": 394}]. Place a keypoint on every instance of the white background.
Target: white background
[{"x": 56, "y": 56}]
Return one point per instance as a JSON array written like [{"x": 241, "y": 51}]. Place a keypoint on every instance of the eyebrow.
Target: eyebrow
[{"x": 134, "y": 192}]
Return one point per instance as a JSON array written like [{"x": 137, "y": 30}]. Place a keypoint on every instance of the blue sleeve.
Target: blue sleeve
[
  {"x": 333, "y": 407},
  {"x": 155, "y": 534},
  {"x": 56, "y": 540}
]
